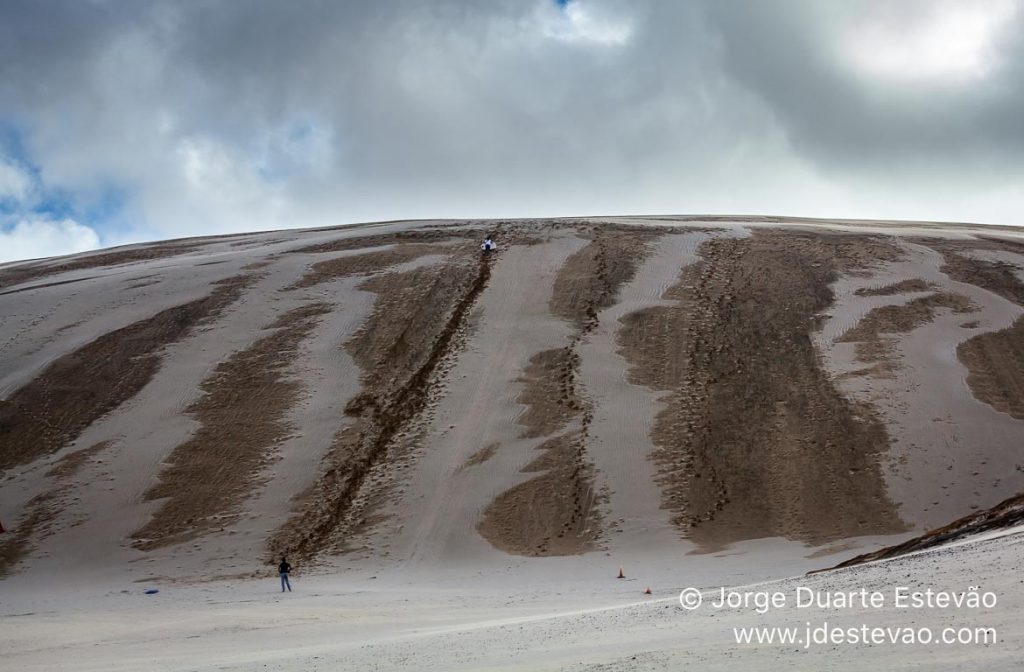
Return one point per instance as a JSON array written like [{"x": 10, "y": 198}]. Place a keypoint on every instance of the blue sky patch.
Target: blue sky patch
[{"x": 103, "y": 210}]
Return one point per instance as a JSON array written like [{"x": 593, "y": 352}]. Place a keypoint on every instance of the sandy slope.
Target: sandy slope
[{"x": 706, "y": 401}]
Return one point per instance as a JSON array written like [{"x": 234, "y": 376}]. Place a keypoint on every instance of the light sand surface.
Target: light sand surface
[{"x": 591, "y": 621}]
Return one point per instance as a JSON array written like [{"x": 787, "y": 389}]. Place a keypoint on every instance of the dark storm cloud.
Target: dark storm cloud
[{"x": 226, "y": 116}]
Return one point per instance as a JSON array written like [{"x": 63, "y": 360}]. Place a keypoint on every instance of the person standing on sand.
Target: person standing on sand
[
  {"x": 283, "y": 570},
  {"x": 488, "y": 246}
]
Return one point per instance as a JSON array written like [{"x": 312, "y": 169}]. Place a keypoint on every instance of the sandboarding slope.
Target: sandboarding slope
[{"x": 384, "y": 397}]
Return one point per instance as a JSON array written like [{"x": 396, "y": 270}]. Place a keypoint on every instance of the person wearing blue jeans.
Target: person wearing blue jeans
[{"x": 283, "y": 570}]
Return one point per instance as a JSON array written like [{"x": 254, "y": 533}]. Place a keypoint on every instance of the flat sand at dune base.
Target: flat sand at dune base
[{"x": 549, "y": 620}]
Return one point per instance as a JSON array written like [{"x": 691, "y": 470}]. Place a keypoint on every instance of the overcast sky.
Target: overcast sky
[{"x": 127, "y": 121}]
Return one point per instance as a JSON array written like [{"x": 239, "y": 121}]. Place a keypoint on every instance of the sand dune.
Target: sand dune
[{"x": 690, "y": 396}]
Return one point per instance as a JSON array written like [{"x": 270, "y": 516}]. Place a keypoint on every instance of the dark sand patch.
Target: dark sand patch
[
  {"x": 552, "y": 514},
  {"x": 995, "y": 366},
  {"x": 381, "y": 239},
  {"x": 906, "y": 317},
  {"x": 868, "y": 334},
  {"x": 902, "y": 287},
  {"x": 16, "y": 544},
  {"x": 242, "y": 416},
  {"x": 47, "y": 413},
  {"x": 70, "y": 464},
  {"x": 412, "y": 312},
  {"x": 996, "y": 276},
  {"x": 756, "y": 441},
  {"x": 549, "y": 392},
  {"x": 362, "y": 264},
  {"x": 479, "y": 457}
]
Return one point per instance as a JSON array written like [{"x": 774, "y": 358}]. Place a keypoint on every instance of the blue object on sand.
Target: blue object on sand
[{"x": 152, "y": 591}]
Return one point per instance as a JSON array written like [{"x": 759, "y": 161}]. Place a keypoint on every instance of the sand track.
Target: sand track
[
  {"x": 995, "y": 360},
  {"x": 949, "y": 453},
  {"x": 557, "y": 512},
  {"x": 417, "y": 320},
  {"x": 437, "y": 502}
]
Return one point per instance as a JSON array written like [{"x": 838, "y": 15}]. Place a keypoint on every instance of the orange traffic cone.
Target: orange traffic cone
[
  {"x": 622, "y": 574},
  {"x": 648, "y": 591}
]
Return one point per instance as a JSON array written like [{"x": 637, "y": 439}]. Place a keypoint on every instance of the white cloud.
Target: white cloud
[
  {"x": 217, "y": 185},
  {"x": 944, "y": 40},
  {"x": 36, "y": 237},
  {"x": 14, "y": 184},
  {"x": 581, "y": 23}
]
